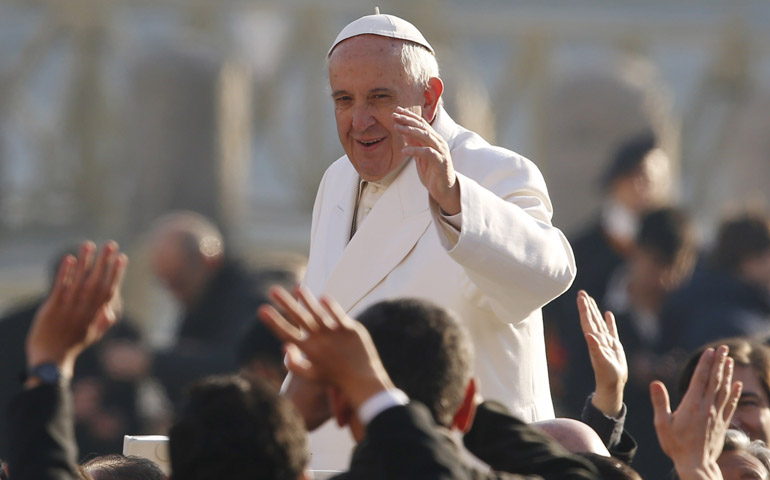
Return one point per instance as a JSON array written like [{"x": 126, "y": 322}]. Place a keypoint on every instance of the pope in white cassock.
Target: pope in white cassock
[{"x": 421, "y": 207}]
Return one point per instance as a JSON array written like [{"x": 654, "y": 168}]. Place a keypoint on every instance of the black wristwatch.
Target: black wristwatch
[{"x": 47, "y": 373}]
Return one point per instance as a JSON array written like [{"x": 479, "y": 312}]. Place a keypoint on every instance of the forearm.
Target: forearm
[
  {"x": 509, "y": 245},
  {"x": 42, "y": 436}
]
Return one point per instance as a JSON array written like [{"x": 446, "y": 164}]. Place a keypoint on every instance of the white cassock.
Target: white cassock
[{"x": 506, "y": 262}]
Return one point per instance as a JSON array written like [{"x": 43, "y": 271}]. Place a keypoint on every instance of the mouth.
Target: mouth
[{"x": 369, "y": 143}]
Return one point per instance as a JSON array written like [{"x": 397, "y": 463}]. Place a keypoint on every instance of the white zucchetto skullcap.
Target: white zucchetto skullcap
[{"x": 384, "y": 26}]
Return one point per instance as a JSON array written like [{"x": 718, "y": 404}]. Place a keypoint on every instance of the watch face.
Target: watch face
[{"x": 47, "y": 373}]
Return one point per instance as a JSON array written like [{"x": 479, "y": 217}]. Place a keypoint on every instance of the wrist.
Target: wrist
[
  {"x": 450, "y": 203},
  {"x": 608, "y": 401},
  {"x": 360, "y": 391},
  {"x": 699, "y": 470}
]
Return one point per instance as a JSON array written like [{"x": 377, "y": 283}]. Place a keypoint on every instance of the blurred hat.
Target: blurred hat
[
  {"x": 628, "y": 156},
  {"x": 384, "y": 26}
]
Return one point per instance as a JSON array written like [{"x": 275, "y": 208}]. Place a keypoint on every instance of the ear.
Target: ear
[
  {"x": 464, "y": 417},
  {"x": 431, "y": 98},
  {"x": 341, "y": 409}
]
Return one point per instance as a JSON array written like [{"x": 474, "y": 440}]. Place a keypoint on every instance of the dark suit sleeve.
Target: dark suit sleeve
[
  {"x": 507, "y": 444},
  {"x": 611, "y": 430},
  {"x": 406, "y": 445},
  {"x": 42, "y": 435}
]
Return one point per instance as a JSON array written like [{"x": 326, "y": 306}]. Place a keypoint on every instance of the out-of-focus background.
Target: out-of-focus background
[{"x": 113, "y": 112}]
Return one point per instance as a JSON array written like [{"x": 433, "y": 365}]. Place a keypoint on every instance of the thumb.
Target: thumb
[
  {"x": 660, "y": 401},
  {"x": 298, "y": 364}
]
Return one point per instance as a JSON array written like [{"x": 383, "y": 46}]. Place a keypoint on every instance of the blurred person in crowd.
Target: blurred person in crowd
[
  {"x": 730, "y": 296},
  {"x": 661, "y": 259},
  {"x": 77, "y": 312},
  {"x": 636, "y": 181},
  {"x": 105, "y": 401},
  {"x": 260, "y": 356},
  {"x": 744, "y": 459},
  {"x": 752, "y": 367},
  {"x": 420, "y": 206},
  {"x": 218, "y": 296},
  {"x": 229, "y": 428},
  {"x": 118, "y": 467}
]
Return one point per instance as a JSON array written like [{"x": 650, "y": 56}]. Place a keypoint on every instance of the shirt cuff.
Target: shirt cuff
[
  {"x": 379, "y": 402},
  {"x": 610, "y": 429},
  {"x": 451, "y": 225}
]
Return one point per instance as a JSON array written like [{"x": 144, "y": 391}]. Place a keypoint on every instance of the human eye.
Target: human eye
[
  {"x": 381, "y": 96},
  {"x": 748, "y": 403},
  {"x": 342, "y": 100}
]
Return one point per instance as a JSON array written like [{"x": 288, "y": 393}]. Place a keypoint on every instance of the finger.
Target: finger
[
  {"x": 405, "y": 112},
  {"x": 63, "y": 278},
  {"x": 96, "y": 287},
  {"x": 428, "y": 154},
  {"x": 315, "y": 309},
  {"x": 723, "y": 391},
  {"x": 660, "y": 402},
  {"x": 294, "y": 312},
  {"x": 612, "y": 326},
  {"x": 700, "y": 376},
  {"x": 594, "y": 347},
  {"x": 732, "y": 401},
  {"x": 84, "y": 260},
  {"x": 596, "y": 316},
  {"x": 298, "y": 364},
  {"x": 585, "y": 321},
  {"x": 716, "y": 375},
  {"x": 337, "y": 313},
  {"x": 114, "y": 280},
  {"x": 276, "y": 322},
  {"x": 416, "y": 135}
]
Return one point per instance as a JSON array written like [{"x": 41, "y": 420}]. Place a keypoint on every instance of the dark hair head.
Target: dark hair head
[
  {"x": 744, "y": 351},
  {"x": 425, "y": 350},
  {"x": 740, "y": 239},
  {"x": 119, "y": 467},
  {"x": 259, "y": 343},
  {"x": 670, "y": 236},
  {"x": 234, "y": 429},
  {"x": 610, "y": 468},
  {"x": 628, "y": 156}
]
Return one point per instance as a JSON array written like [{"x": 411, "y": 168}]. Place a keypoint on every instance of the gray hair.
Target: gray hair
[
  {"x": 738, "y": 441},
  {"x": 419, "y": 64}
]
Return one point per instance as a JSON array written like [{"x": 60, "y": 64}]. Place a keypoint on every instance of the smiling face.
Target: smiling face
[
  {"x": 368, "y": 81},
  {"x": 753, "y": 412}
]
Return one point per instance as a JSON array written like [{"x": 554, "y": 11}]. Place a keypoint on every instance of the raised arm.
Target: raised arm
[{"x": 77, "y": 313}]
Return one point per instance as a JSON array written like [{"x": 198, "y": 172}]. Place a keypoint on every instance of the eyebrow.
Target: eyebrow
[{"x": 374, "y": 90}]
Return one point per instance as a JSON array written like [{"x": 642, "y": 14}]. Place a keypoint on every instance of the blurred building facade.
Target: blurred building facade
[{"x": 115, "y": 111}]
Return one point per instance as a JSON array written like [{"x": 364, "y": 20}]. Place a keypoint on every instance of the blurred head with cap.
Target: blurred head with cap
[{"x": 377, "y": 63}]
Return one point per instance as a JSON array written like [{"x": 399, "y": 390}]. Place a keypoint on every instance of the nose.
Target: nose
[{"x": 362, "y": 118}]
